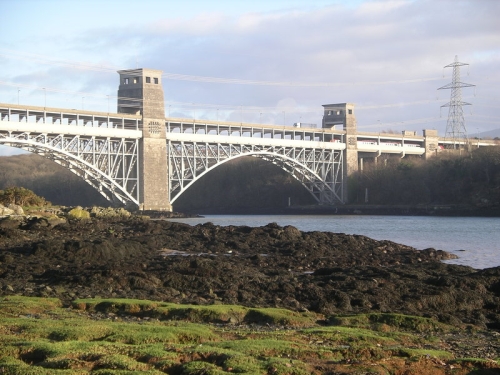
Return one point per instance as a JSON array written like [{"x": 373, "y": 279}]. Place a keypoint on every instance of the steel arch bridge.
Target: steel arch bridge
[
  {"x": 104, "y": 149},
  {"x": 313, "y": 157},
  {"x": 319, "y": 171}
]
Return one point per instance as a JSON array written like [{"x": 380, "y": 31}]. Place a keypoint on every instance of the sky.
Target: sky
[{"x": 261, "y": 61}]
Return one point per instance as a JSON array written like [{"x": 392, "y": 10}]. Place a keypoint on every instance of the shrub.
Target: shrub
[
  {"x": 22, "y": 197},
  {"x": 78, "y": 213}
]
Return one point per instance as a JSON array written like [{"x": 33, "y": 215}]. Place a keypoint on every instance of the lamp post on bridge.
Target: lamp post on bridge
[{"x": 45, "y": 96}]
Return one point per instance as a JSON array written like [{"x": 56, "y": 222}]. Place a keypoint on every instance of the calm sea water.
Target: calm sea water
[{"x": 475, "y": 240}]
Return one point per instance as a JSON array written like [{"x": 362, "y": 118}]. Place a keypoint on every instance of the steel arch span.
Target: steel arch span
[
  {"x": 109, "y": 165},
  {"x": 319, "y": 170}
]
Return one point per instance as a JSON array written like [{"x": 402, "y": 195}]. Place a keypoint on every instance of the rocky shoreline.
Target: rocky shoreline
[{"x": 269, "y": 266}]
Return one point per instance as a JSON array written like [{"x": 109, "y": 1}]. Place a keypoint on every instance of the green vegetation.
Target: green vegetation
[
  {"x": 388, "y": 322},
  {"x": 115, "y": 336},
  {"x": 197, "y": 313},
  {"x": 78, "y": 213},
  {"x": 22, "y": 197},
  {"x": 109, "y": 213}
]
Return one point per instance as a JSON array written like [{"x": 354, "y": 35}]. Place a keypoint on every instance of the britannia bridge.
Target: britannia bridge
[{"x": 138, "y": 157}]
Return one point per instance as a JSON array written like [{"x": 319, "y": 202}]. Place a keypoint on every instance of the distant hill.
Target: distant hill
[{"x": 489, "y": 134}]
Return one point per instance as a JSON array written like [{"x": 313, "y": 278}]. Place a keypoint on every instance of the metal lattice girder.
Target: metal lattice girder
[
  {"x": 110, "y": 165},
  {"x": 320, "y": 171}
]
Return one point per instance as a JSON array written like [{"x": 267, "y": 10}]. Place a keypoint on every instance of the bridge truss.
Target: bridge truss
[
  {"x": 102, "y": 150},
  {"x": 319, "y": 170},
  {"x": 108, "y": 165}
]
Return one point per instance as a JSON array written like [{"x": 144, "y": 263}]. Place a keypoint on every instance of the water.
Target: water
[{"x": 475, "y": 240}]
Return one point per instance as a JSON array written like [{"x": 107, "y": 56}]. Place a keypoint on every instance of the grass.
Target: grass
[
  {"x": 17, "y": 305},
  {"x": 39, "y": 336},
  {"x": 196, "y": 313},
  {"x": 391, "y": 322}
]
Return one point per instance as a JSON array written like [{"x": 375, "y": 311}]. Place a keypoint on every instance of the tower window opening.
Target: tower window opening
[
  {"x": 350, "y": 111},
  {"x": 125, "y": 81},
  {"x": 148, "y": 79},
  {"x": 136, "y": 80},
  {"x": 156, "y": 80}
]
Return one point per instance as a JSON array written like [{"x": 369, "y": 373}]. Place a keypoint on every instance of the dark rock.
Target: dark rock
[{"x": 330, "y": 273}]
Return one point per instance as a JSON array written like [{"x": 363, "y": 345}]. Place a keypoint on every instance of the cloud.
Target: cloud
[{"x": 349, "y": 47}]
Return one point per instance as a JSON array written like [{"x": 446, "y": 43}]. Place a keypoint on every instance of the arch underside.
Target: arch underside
[
  {"x": 107, "y": 164},
  {"x": 320, "y": 171}
]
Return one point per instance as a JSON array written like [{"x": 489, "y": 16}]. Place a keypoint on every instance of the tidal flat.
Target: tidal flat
[{"x": 96, "y": 295}]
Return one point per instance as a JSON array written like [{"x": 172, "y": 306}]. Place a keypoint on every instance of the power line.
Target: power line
[
  {"x": 401, "y": 123},
  {"x": 208, "y": 105},
  {"x": 205, "y": 79}
]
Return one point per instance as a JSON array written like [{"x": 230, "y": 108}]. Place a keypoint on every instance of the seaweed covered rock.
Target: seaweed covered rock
[{"x": 268, "y": 266}]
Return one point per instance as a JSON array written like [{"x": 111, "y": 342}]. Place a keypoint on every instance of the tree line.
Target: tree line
[
  {"x": 248, "y": 183},
  {"x": 471, "y": 179}
]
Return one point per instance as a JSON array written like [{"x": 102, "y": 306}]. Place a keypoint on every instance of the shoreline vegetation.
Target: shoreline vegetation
[
  {"x": 124, "y": 336},
  {"x": 104, "y": 291}
]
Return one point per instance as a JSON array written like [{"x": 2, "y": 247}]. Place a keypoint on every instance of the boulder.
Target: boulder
[
  {"x": 18, "y": 210},
  {"x": 4, "y": 211}
]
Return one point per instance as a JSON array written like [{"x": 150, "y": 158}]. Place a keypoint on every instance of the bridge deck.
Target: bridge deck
[
  {"x": 253, "y": 134},
  {"x": 72, "y": 117},
  {"x": 79, "y": 122}
]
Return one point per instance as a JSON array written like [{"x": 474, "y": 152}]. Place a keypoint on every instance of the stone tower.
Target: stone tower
[
  {"x": 343, "y": 114},
  {"x": 140, "y": 92}
]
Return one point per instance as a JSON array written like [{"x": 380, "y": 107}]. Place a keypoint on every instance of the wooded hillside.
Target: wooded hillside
[
  {"x": 471, "y": 179},
  {"x": 241, "y": 184},
  {"x": 47, "y": 179},
  {"x": 249, "y": 184}
]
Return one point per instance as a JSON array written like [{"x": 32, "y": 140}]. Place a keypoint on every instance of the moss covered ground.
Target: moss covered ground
[{"x": 125, "y": 337}]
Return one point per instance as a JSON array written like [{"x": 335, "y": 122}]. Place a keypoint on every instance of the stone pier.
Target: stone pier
[
  {"x": 141, "y": 92},
  {"x": 342, "y": 114}
]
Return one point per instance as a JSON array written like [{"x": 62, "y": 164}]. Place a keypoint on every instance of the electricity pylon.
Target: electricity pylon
[{"x": 455, "y": 127}]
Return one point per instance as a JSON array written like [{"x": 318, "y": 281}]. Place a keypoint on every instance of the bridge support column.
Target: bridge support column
[
  {"x": 431, "y": 142},
  {"x": 141, "y": 92},
  {"x": 343, "y": 114},
  {"x": 351, "y": 150},
  {"x": 154, "y": 193}
]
